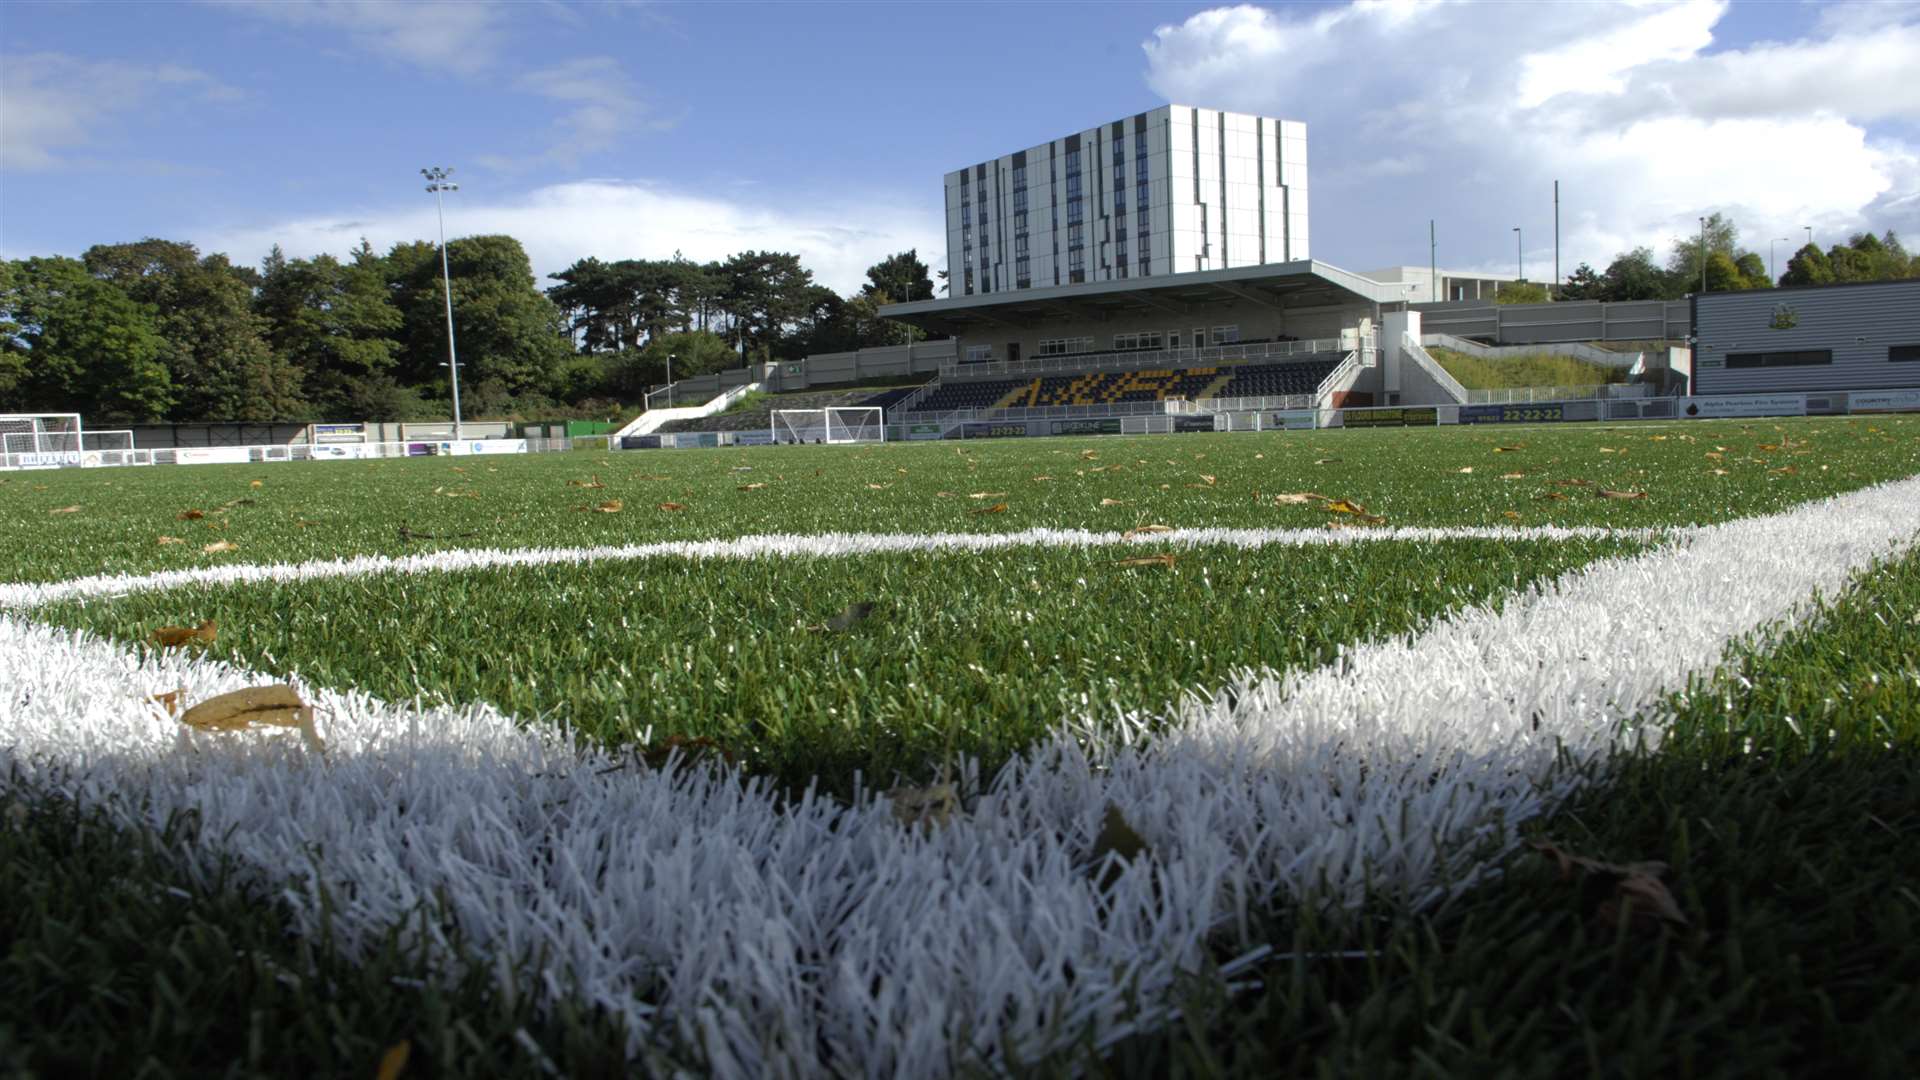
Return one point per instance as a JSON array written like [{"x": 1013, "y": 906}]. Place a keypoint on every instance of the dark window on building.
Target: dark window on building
[
  {"x": 1020, "y": 200},
  {"x": 1903, "y": 353},
  {"x": 1076, "y": 210},
  {"x": 1023, "y": 273},
  {"x": 1797, "y": 358},
  {"x": 1073, "y": 185}
]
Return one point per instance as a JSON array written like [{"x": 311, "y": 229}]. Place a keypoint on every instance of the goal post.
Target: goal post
[
  {"x": 30, "y": 440},
  {"x": 834, "y": 426}
]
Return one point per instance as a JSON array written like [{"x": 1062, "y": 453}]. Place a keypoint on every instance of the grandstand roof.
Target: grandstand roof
[{"x": 1304, "y": 283}]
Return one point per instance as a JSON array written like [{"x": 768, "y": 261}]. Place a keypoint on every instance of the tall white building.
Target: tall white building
[{"x": 1169, "y": 191}]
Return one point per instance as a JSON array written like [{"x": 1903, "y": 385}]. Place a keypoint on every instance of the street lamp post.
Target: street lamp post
[
  {"x": 1770, "y": 266},
  {"x": 1809, "y": 229},
  {"x": 1519, "y": 261},
  {"x": 669, "y": 380},
  {"x": 437, "y": 183},
  {"x": 1703, "y": 255}
]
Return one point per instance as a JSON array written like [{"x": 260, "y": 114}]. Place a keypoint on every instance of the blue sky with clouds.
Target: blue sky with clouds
[{"x": 624, "y": 130}]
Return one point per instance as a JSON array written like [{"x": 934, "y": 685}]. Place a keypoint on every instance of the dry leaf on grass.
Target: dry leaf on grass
[
  {"x": 1513, "y": 514},
  {"x": 946, "y": 494},
  {"x": 751, "y": 487},
  {"x": 1113, "y": 502},
  {"x": 1784, "y": 470},
  {"x": 593, "y": 483},
  {"x": 1325, "y": 460},
  {"x": 1038, "y": 479},
  {"x": 851, "y": 616},
  {"x": 1465, "y": 469},
  {"x": 1208, "y": 480},
  {"x": 996, "y": 508},
  {"x": 1146, "y": 530},
  {"x": 65, "y": 510},
  {"x": 878, "y": 487},
  {"x": 1508, "y": 449},
  {"x": 1638, "y": 894},
  {"x": 672, "y": 506},
  {"x": 168, "y": 637},
  {"x": 272, "y": 706},
  {"x": 1608, "y": 494},
  {"x": 190, "y": 515},
  {"x": 1549, "y": 495},
  {"x": 933, "y": 805},
  {"x": 394, "y": 1061},
  {"x": 220, "y": 545},
  {"x": 986, "y": 495},
  {"x": 254, "y": 483},
  {"x": 165, "y": 540},
  {"x": 611, "y": 506},
  {"x": 1299, "y": 498},
  {"x": 1348, "y": 506},
  {"x": 1118, "y": 840},
  {"x": 1163, "y": 559},
  {"x": 1513, "y": 476}
]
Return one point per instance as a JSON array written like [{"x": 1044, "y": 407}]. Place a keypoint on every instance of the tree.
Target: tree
[
  {"x": 217, "y": 354},
  {"x": 1584, "y": 283},
  {"x": 1521, "y": 292},
  {"x": 767, "y": 295},
  {"x": 694, "y": 352},
  {"x": 509, "y": 336},
  {"x": 903, "y": 277},
  {"x": 333, "y": 321},
  {"x": 79, "y": 344},
  {"x": 1809, "y": 266},
  {"x": 1753, "y": 272},
  {"x": 1633, "y": 276}
]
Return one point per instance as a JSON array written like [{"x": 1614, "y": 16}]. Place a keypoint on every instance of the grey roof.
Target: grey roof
[{"x": 1302, "y": 283}]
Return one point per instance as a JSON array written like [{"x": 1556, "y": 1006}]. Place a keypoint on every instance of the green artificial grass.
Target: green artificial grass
[
  {"x": 1531, "y": 369},
  {"x": 1692, "y": 472},
  {"x": 973, "y": 654},
  {"x": 1786, "y": 802}
]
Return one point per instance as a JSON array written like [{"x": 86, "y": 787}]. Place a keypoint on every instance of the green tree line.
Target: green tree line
[
  {"x": 1728, "y": 267},
  {"x": 155, "y": 331}
]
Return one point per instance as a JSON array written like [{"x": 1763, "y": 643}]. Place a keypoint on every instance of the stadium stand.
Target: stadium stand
[
  {"x": 1116, "y": 387},
  {"x": 760, "y": 416}
]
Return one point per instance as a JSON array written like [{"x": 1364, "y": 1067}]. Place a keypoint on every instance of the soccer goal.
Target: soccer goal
[
  {"x": 845, "y": 424},
  {"x": 30, "y": 439}
]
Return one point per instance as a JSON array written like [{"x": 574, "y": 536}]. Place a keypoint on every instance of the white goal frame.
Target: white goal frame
[
  {"x": 41, "y": 440},
  {"x": 836, "y": 426}
]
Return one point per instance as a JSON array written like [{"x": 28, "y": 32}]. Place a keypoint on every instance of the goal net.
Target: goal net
[
  {"x": 845, "y": 424},
  {"x": 40, "y": 439}
]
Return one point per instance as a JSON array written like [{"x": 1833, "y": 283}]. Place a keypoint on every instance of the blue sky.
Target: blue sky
[{"x": 624, "y": 130}]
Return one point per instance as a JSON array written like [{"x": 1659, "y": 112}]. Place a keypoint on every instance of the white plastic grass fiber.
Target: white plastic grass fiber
[
  {"x": 814, "y": 938},
  {"x": 822, "y": 546}
]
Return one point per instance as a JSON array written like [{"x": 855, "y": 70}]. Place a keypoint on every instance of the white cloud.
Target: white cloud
[
  {"x": 612, "y": 219},
  {"x": 53, "y": 104},
  {"x": 601, "y": 106},
  {"x": 1629, "y": 107},
  {"x": 458, "y": 37}
]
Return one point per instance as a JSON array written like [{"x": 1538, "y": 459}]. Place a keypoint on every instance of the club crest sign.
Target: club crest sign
[{"x": 1784, "y": 318}]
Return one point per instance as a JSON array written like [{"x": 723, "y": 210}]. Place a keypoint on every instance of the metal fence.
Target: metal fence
[{"x": 1134, "y": 361}]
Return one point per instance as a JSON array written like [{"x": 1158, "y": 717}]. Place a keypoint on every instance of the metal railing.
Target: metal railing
[
  {"x": 1425, "y": 361},
  {"x": 1133, "y": 361},
  {"x": 1243, "y": 404},
  {"x": 1525, "y": 395},
  {"x": 273, "y": 452}
]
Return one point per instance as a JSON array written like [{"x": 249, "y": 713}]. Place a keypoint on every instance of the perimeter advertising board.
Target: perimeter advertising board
[
  {"x": 1355, "y": 418},
  {"x": 925, "y": 431},
  {"x": 1544, "y": 413},
  {"x": 1105, "y": 425},
  {"x": 211, "y": 455},
  {"x": 990, "y": 430},
  {"x": 1746, "y": 405},
  {"x": 1877, "y": 401}
]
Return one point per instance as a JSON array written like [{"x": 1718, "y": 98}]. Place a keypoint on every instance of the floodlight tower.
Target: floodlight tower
[{"x": 437, "y": 182}]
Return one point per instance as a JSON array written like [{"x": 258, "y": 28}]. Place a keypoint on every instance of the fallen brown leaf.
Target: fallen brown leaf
[
  {"x": 220, "y": 545},
  {"x": 986, "y": 495},
  {"x": 274, "y": 706},
  {"x": 672, "y": 506},
  {"x": 394, "y": 1061},
  {"x": 165, "y": 540},
  {"x": 1608, "y": 494},
  {"x": 1639, "y": 896},
  {"x": 1113, "y": 502},
  {"x": 171, "y": 637},
  {"x": 1146, "y": 530},
  {"x": 752, "y": 487},
  {"x": 190, "y": 515},
  {"x": 1297, "y": 498},
  {"x": 65, "y": 510},
  {"x": 1164, "y": 559},
  {"x": 996, "y": 508}
]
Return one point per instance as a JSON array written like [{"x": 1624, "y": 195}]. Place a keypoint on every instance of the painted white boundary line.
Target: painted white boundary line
[
  {"x": 815, "y": 938},
  {"x": 778, "y": 545}
]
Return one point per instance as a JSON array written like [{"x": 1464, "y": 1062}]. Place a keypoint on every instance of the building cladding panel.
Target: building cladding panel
[
  {"x": 1858, "y": 337},
  {"x": 1167, "y": 191}
]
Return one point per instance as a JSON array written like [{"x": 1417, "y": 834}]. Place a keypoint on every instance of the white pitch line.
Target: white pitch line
[
  {"x": 781, "y": 545},
  {"x": 812, "y": 938}
]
